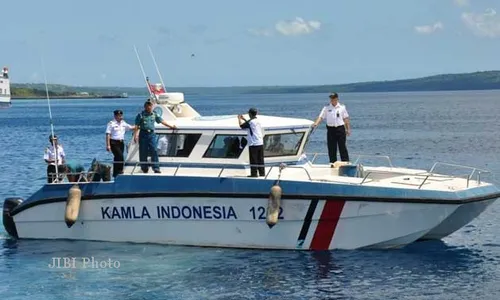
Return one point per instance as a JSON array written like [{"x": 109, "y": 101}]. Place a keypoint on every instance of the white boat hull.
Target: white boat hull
[
  {"x": 463, "y": 215},
  {"x": 239, "y": 223},
  {"x": 5, "y": 102}
]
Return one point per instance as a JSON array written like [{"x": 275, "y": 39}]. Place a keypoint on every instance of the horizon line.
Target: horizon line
[{"x": 249, "y": 86}]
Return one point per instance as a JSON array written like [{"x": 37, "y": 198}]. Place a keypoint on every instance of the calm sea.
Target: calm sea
[{"x": 415, "y": 129}]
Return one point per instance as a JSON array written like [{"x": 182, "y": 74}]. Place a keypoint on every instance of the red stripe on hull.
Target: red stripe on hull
[{"x": 326, "y": 226}]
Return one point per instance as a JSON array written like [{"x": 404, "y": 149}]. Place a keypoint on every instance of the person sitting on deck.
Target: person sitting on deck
[{"x": 74, "y": 171}]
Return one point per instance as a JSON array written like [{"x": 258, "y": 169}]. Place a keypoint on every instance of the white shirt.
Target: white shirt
[
  {"x": 117, "y": 129},
  {"x": 50, "y": 154},
  {"x": 334, "y": 115},
  {"x": 255, "y": 136},
  {"x": 162, "y": 145}
]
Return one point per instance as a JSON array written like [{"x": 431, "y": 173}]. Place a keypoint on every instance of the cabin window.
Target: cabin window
[
  {"x": 226, "y": 146},
  {"x": 282, "y": 144},
  {"x": 176, "y": 145}
]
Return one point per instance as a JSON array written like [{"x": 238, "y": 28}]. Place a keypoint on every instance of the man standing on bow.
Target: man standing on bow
[
  {"x": 338, "y": 128},
  {"x": 144, "y": 133},
  {"x": 55, "y": 157},
  {"x": 115, "y": 140},
  {"x": 255, "y": 137}
]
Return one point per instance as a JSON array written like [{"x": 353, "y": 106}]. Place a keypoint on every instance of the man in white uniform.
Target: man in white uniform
[
  {"x": 338, "y": 128},
  {"x": 115, "y": 136},
  {"x": 54, "y": 156},
  {"x": 255, "y": 137}
]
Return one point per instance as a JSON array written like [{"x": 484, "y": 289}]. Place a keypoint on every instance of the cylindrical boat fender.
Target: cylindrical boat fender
[
  {"x": 273, "y": 206},
  {"x": 73, "y": 205}
]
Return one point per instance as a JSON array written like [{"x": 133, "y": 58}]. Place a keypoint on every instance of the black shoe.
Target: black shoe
[
  {"x": 145, "y": 171},
  {"x": 157, "y": 171},
  {"x": 252, "y": 176}
]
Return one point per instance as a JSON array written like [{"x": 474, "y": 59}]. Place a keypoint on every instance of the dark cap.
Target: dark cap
[
  {"x": 252, "y": 111},
  {"x": 148, "y": 102},
  {"x": 333, "y": 95},
  {"x": 118, "y": 112}
]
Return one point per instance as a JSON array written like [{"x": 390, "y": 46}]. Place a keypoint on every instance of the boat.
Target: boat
[
  {"x": 5, "y": 89},
  {"x": 203, "y": 197}
]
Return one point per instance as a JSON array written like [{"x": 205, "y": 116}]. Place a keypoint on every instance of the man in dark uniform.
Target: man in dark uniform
[
  {"x": 338, "y": 128},
  {"x": 144, "y": 133}
]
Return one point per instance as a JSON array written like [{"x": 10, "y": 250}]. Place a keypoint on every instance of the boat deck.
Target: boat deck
[{"x": 389, "y": 177}]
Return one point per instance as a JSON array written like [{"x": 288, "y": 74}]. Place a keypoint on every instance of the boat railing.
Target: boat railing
[
  {"x": 83, "y": 176},
  {"x": 272, "y": 166},
  {"x": 468, "y": 176},
  {"x": 359, "y": 157},
  {"x": 365, "y": 176}
]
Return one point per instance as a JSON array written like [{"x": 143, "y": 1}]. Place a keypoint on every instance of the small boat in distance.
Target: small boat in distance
[{"x": 5, "y": 89}]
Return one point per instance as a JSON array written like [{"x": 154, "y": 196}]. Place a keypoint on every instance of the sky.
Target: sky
[{"x": 246, "y": 42}]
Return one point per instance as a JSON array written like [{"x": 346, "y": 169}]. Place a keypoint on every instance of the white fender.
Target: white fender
[
  {"x": 73, "y": 205},
  {"x": 273, "y": 206}
]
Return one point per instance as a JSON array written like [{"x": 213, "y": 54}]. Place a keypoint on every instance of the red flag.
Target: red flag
[{"x": 156, "y": 88}]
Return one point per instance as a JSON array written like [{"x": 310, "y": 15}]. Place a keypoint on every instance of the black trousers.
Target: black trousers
[
  {"x": 117, "y": 147},
  {"x": 257, "y": 158},
  {"x": 336, "y": 137},
  {"x": 51, "y": 172}
]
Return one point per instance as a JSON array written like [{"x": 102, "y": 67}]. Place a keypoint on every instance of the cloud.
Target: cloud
[
  {"x": 104, "y": 76},
  {"x": 461, "y": 3},
  {"x": 295, "y": 27},
  {"x": 429, "y": 29},
  {"x": 486, "y": 24}
]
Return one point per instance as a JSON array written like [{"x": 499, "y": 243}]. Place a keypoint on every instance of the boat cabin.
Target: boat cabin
[{"x": 218, "y": 140}]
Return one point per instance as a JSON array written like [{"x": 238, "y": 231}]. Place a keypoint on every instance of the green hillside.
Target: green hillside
[{"x": 446, "y": 82}]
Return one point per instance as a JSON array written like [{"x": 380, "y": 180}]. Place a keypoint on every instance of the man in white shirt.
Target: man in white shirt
[
  {"x": 338, "y": 128},
  {"x": 255, "y": 137},
  {"x": 54, "y": 156},
  {"x": 115, "y": 136}
]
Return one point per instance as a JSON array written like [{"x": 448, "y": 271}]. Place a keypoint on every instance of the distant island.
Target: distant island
[
  {"x": 56, "y": 91},
  {"x": 486, "y": 80}
]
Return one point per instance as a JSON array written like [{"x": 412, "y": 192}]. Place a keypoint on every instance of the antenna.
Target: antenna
[
  {"x": 50, "y": 117},
  {"x": 157, "y": 70},
  {"x": 142, "y": 69}
]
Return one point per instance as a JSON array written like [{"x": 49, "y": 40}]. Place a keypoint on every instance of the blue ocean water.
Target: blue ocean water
[{"x": 415, "y": 129}]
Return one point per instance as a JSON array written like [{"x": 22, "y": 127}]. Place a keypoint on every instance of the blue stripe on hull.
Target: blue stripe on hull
[{"x": 134, "y": 186}]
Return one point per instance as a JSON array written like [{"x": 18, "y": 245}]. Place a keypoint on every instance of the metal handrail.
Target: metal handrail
[
  {"x": 456, "y": 165},
  {"x": 358, "y": 157},
  {"x": 271, "y": 166},
  {"x": 469, "y": 176},
  {"x": 377, "y": 156},
  {"x": 365, "y": 177}
]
